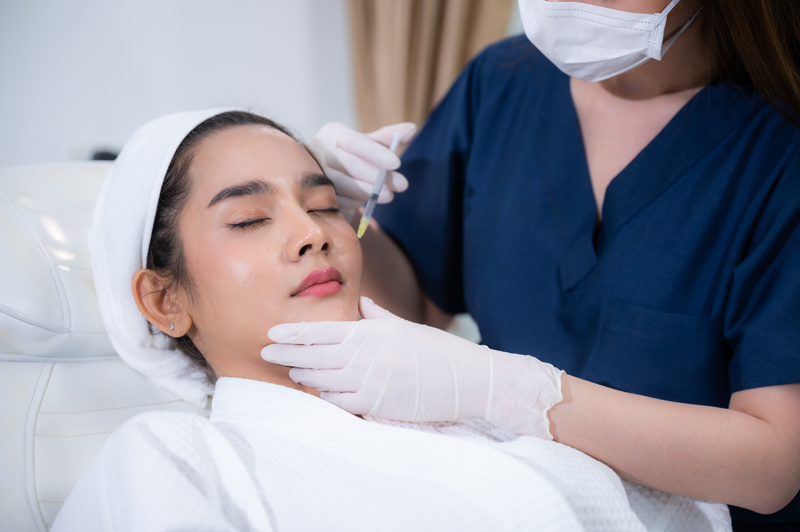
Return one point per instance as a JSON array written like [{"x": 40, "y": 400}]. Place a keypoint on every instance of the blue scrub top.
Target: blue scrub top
[{"x": 687, "y": 291}]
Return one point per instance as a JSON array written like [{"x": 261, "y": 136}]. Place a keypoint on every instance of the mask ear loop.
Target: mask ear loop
[
  {"x": 659, "y": 17},
  {"x": 657, "y": 34},
  {"x": 658, "y": 47}
]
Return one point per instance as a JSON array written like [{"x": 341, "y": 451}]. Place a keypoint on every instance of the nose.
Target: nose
[{"x": 306, "y": 237}]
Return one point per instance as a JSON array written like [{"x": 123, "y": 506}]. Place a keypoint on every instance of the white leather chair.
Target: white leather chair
[{"x": 63, "y": 390}]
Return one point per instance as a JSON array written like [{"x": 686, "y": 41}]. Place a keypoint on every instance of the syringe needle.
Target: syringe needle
[{"x": 376, "y": 190}]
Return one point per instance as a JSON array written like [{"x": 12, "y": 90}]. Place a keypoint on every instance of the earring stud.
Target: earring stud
[{"x": 171, "y": 327}]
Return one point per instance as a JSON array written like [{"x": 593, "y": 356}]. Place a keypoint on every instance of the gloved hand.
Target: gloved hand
[
  {"x": 388, "y": 367},
  {"x": 353, "y": 160}
]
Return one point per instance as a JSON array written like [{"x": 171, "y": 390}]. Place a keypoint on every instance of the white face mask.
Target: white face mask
[{"x": 594, "y": 43}]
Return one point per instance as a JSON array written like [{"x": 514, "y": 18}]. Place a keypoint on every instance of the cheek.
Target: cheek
[
  {"x": 350, "y": 252},
  {"x": 241, "y": 272},
  {"x": 217, "y": 261},
  {"x": 238, "y": 269},
  {"x": 234, "y": 279}
]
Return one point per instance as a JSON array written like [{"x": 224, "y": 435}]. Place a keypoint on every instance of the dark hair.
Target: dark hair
[
  {"x": 755, "y": 44},
  {"x": 165, "y": 254}
]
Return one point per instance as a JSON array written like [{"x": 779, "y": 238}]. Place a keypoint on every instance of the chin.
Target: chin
[{"x": 325, "y": 309}]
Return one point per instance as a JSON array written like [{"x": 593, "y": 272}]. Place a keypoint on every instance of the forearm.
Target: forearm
[
  {"x": 708, "y": 453},
  {"x": 388, "y": 278}
]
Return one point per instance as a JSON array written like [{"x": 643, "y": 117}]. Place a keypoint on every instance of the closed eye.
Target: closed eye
[
  {"x": 261, "y": 221},
  {"x": 329, "y": 210},
  {"x": 249, "y": 223}
]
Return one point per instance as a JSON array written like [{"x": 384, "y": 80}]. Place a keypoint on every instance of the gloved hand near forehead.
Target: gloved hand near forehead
[
  {"x": 353, "y": 160},
  {"x": 388, "y": 367}
]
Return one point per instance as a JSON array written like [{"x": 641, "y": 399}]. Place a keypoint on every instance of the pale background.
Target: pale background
[
  {"x": 81, "y": 75},
  {"x": 77, "y": 75}
]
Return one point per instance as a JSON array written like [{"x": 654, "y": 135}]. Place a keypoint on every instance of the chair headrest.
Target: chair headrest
[{"x": 48, "y": 306}]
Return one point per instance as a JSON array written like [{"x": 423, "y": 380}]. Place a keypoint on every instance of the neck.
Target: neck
[
  {"x": 257, "y": 369},
  {"x": 684, "y": 67}
]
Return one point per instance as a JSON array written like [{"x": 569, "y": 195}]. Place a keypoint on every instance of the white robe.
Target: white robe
[{"x": 275, "y": 459}]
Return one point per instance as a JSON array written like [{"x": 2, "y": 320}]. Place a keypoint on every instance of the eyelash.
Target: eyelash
[
  {"x": 250, "y": 223},
  {"x": 329, "y": 210},
  {"x": 261, "y": 221}
]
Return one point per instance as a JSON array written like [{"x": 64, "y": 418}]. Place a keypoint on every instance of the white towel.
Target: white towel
[{"x": 119, "y": 240}]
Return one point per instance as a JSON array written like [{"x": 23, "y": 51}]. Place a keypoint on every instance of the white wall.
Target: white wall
[{"x": 76, "y": 75}]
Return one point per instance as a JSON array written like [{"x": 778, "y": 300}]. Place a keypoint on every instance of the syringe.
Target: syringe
[{"x": 376, "y": 190}]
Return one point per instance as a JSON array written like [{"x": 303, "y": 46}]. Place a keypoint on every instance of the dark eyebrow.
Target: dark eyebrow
[
  {"x": 315, "y": 180},
  {"x": 250, "y": 188},
  {"x": 254, "y": 187}
]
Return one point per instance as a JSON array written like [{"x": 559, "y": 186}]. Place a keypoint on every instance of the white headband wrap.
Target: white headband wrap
[{"x": 119, "y": 240}]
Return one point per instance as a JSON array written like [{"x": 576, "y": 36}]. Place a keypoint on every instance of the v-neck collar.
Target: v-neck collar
[{"x": 699, "y": 126}]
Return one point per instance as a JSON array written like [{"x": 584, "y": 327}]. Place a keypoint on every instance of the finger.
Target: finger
[
  {"x": 320, "y": 332},
  {"x": 384, "y": 134},
  {"x": 358, "y": 168},
  {"x": 351, "y": 402},
  {"x": 327, "y": 380},
  {"x": 348, "y": 187},
  {"x": 324, "y": 140},
  {"x": 358, "y": 190},
  {"x": 363, "y": 172},
  {"x": 371, "y": 311},
  {"x": 305, "y": 356},
  {"x": 369, "y": 149},
  {"x": 396, "y": 182}
]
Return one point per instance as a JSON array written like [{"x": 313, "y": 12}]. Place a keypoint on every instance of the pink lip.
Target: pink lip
[{"x": 320, "y": 283}]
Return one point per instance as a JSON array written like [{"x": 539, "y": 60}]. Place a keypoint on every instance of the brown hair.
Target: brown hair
[
  {"x": 755, "y": 44},
  {"x": 165, "y": 254}
]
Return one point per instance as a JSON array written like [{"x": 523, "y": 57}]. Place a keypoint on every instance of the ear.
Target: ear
[{"x": 163, "y": 308}]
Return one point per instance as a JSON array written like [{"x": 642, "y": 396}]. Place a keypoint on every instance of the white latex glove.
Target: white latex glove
[
  {"x": 388, "y": 367},
  {"x": 353, "y": 160}
]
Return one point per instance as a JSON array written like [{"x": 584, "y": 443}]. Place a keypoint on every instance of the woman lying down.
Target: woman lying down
[{"x": 224, "y": 225}]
